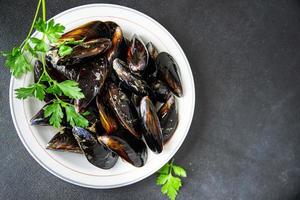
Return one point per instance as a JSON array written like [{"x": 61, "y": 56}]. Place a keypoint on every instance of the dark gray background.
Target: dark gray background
[{"x": 244, "y": 141}]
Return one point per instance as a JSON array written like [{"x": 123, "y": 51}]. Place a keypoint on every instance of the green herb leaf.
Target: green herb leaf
[
  {"x": 54, "y": 111},
  {"x": 51, "y": 30},
  {"x": 86, "y": 113},
  {"x": 16, "y": 62},
  {"x": 54, "y": 89},
  {"x": 70, "y": 89},
  {"x": 179, "y": 171},
  {"x": 39, "y": 45},
  {"x": 170, "y": 184},
  {"x": 75, "y": 118},
  {"x": 64, "y": 50},
  {"x": 36, "y": 90}
]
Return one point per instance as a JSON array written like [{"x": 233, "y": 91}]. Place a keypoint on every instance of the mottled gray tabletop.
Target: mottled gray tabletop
[{"x": 244, "y": 142}]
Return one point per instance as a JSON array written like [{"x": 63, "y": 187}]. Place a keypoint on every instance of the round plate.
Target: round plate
[{"x": 73, "y": 167}]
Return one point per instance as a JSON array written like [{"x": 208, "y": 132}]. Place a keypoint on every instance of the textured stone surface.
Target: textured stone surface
[{"x": 244, "y": 142}]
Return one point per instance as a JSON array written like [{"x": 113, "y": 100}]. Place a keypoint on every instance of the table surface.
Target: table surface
[{"x": 244, "y": 141}]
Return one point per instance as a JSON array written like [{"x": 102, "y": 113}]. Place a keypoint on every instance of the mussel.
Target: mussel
[
  {"x": 38, "y": 70},
  {"x": 151, "y": 125},
  {"x": 91, "y": 78},
  {"x": 85, "y": 50},
  {"x": 126, "y": 146},
  {"x": 108, "y": 120},
  {"x": 124, "y": 109},
  {"x": 137, "y": 55},
  {"x": 151, "y": 68},
  {"x": 64, "y": 141},
  {"x": 160, "y": 90},
  {"x": 95, "y": 152},
  {"x": 168, "y": 72},
  {"x": 117, "y": 40},
  {"x": 62, "y": 71},
  {"x": 168, "y": 118},
  {"x": 132, "y": 82},
  {"x": 89, "y": 31}
]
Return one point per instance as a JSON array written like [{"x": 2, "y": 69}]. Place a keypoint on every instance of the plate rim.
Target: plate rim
[{"x": 11, "y": 97}]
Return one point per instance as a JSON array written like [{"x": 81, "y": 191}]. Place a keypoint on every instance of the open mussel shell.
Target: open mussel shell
[
  {"x": 89, "y": 31},
  {"x": 95, "y": 152},
  {"x": 137, "y": 55},
  {"x": 168, "y": 118},
  {"x": 108, "y": 120},
  {"x": 160, "y": 90},
  {"x": 126, "y": 146},
  {"x": 85, "y": 50},
  {"x": 168, "y": 72},
  {"x": 151, "y": 125},
  {"x": 91, "y": 78},
  {"x": 152, "y": 50},
  {"x": 123, "y": 109},
  {"x": 132, "y": 82},
  {"x": 64, "y": 141}
]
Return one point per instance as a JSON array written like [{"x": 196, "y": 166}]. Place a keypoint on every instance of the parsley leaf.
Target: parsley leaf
[
  {"x": 179, "y": 171},
  {"x": 170, "y": 184},
  {"x": 16, "y": 62},
  {"x": 36, "y": 90},
  {"x": 54, "y": 111},
  {"x": 39, "y": 45},
  {"x": 51, "y": 30},
  {"x": 64, "y": 50},
  {"x": 70, "y": 89},
  {"x": 75, "y": 118}
]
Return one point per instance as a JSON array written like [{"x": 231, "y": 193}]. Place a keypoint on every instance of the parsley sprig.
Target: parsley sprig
[
  {"x": 19, "y": 61},
  {"x": 170, "y": 183}
]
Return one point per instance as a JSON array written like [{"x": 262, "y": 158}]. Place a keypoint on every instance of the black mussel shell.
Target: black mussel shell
[
  {"x": 160, "y": 90},
  {"x": 132, "y": 82},
  {"x": 136, "y": 99},
  {"x": 115, "y": 50},
  {"x": 89, "y": 31},
  {"x": 124, "y": 109},
  {"x": 38, "y": 70},
  {"x": 151, "y": 68},
  {"x": 137, "y": 55},
  {"x": 168, "y": 72},
  {"x": 126, "y": 146},
  {"x": 95, "y": 152},
  {"x": 62, "y": 71},
  {"x": 108, "y": 120},
  {"x": 168, "y": 118},
  {"x": 91, "y": 78},
  {"x": 85, "y": 50},
  {"x": 40, "y": 120},
  {"x": 91, "y": 113},
  {"x": 151, "y": 125},
  {"x": 64, "y": 141}
]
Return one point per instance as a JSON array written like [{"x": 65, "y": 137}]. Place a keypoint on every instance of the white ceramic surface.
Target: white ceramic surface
[{"x": 74, "y": 168}]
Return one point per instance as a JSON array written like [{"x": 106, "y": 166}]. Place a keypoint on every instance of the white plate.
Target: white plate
[{"x": 74, "y": 168}]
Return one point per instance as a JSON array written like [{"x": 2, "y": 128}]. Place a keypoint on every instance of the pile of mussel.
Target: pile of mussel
[{"x": 129, "y": 90}]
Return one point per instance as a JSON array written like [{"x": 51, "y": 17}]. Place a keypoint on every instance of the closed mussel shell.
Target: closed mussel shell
[
  {"x": 168, "y": 118},
  {"x": 151, "y": 125},
  {"x": 95, "y": 152},
  {"x": 126, "y": 146},
  {"x": 123, "y": 109},
  {"x": 107, "y": 118},
  {"x": 89, "y": 31},
  {"x": 168, "y": 71},
  {"x": 132, "y": 82},
  {"x": 64, "y": 141},
  {"x": 91, "y": 78}
]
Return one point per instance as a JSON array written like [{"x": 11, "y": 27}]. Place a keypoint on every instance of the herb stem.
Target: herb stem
[
  {"x": 44, "y": 10},
  {"x": 33, "y": 22}
]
